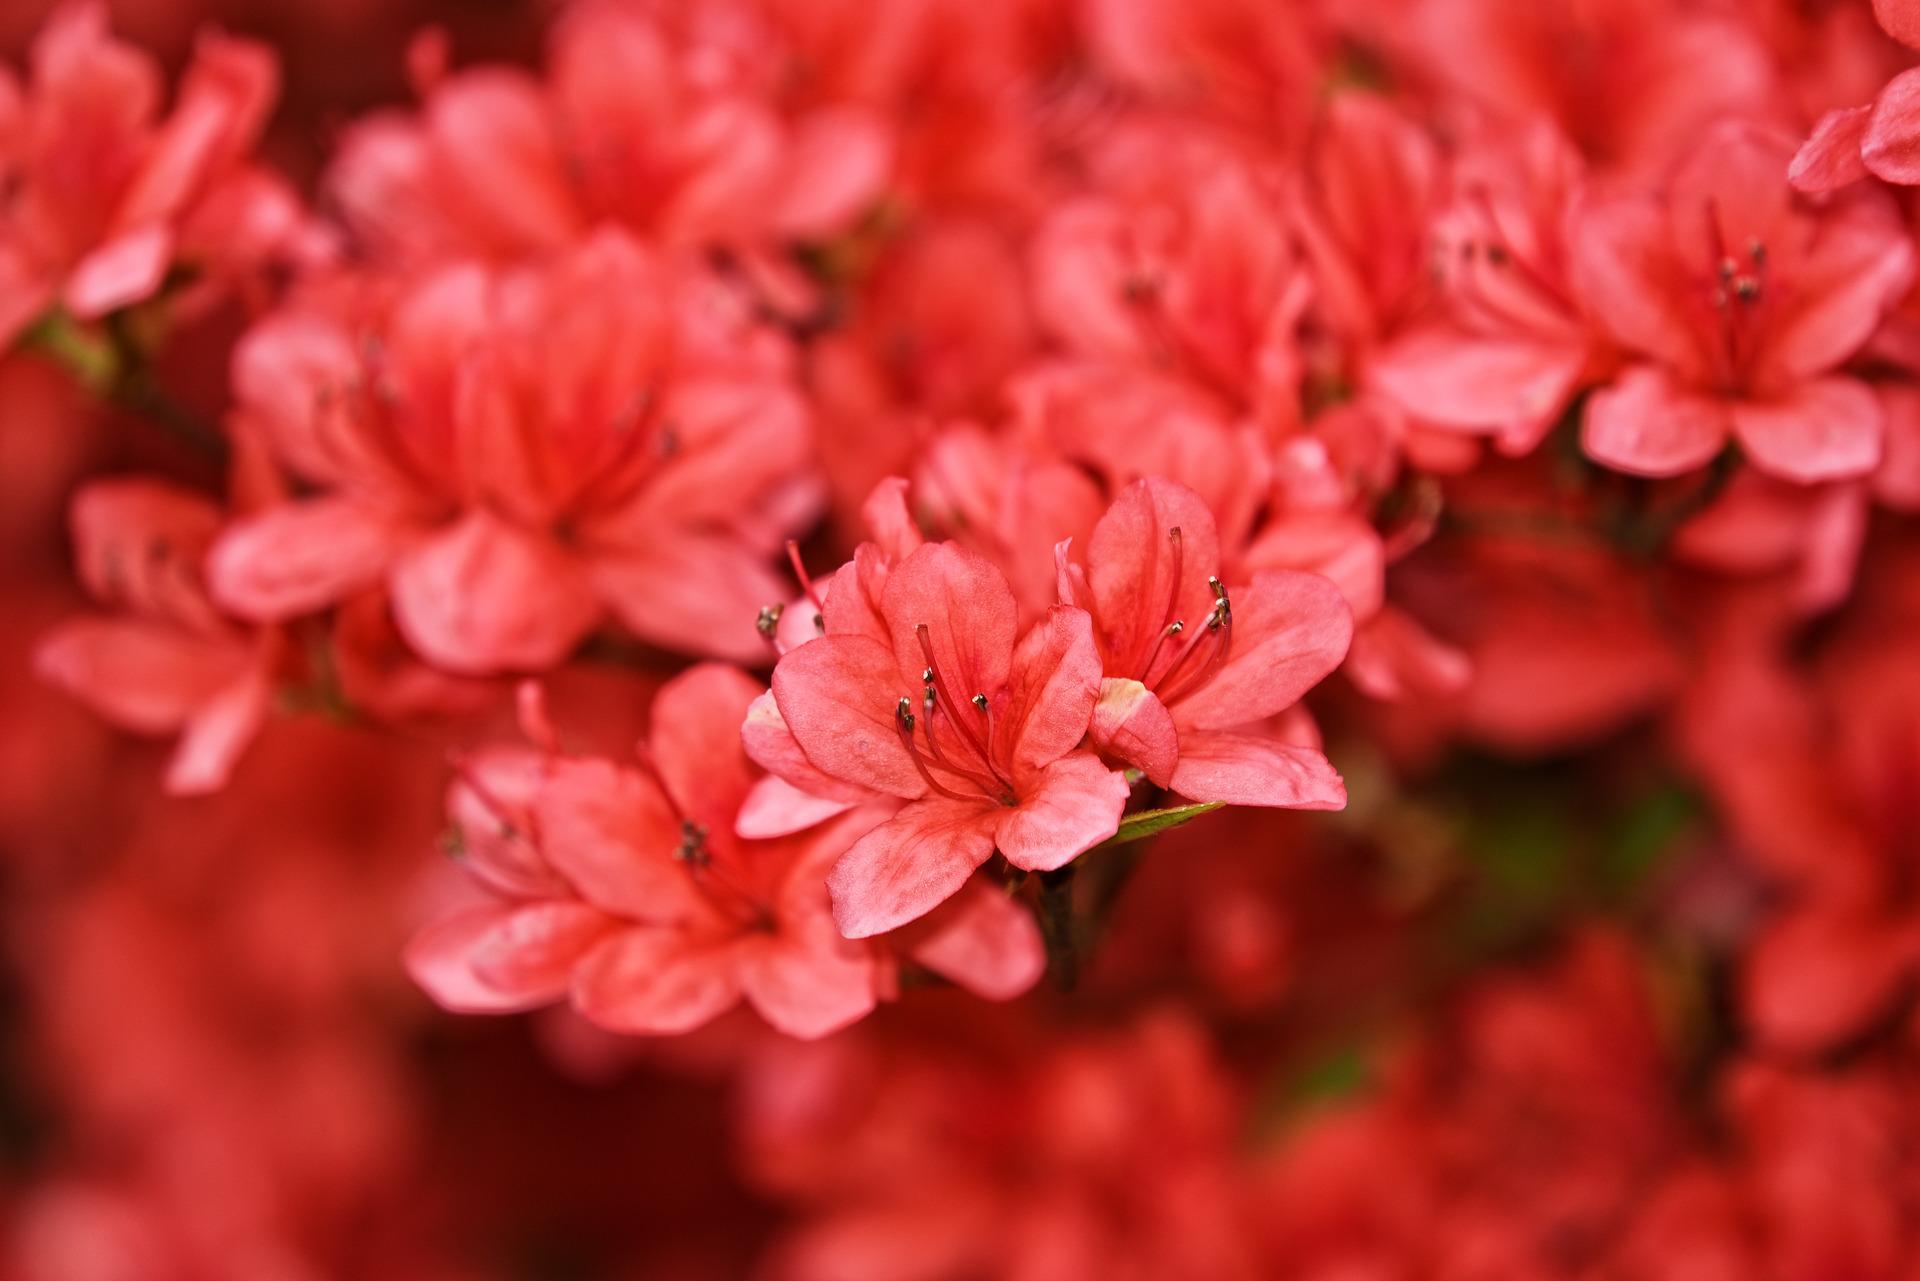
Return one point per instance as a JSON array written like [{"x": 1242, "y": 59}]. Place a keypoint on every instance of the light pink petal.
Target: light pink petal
[
  {"x": 772, "y": 746},
  {"x": 694, "y": 733},
  {"x": 532, "y": 951},
  {"x": 1823, "y": 430},
  {"x": 614, "y": 836},
  {"x": 1890, "y": 148},
  {"x": 655, "y": 981},
  {"x": 775, "y": 807},
  {"x": 1646, "y": 426},
  {"x": 1857, "y": 270},
  {"x": 1395, "y": 657},
  {"x": 440, "y": 959},
  {"x": 124, "y": 271},
  {"x": 148, "y": 677},
  {"x": 1289, "y": 631},
  {"x": 218, "y": 732},
  {"x": 1131, "y": 725},
  {"x": 808, "y": 983},
  {"x": 1133, "y": 558},
  {"x": 1831, "y": 159},
  {"x": 1247, "y": 769},
  {"x": 969, "y": 613},
  {"x": 1073, "y": 805},
  {"x": 910, "y": 864},
  {"x": 486, "y": 596},
  {"x": 835, "y": 168},
  {"x": 983, "y": 940},
  {"x": 497, "y": 154},
  {"x": 1622, "y": 270},
  {"x": 1051, "y": 692},
  {"x": 889, "y": 520},
  {"x": 691, "y": 593},
  {"x": 299, "y": 558},
  {"x": 1493, "y": 385},
  {"x": 837, "y": 696}
]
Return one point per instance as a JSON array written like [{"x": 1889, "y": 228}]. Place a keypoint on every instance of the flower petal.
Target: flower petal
[
  {"x": 1289, "y": 631},
  {"x": 837, "y": 696},
  {"x": 775, "y": 807},
  {"x": 1453, "y": 379},
  {"x": 656, "y": 981},
  {"x": 808, "y": 982},
  {"x": 1890, "y": 148},
  {"x": 1247, "y": 769},
  {"x": 694, "y": 734},
  {"x": 1050, "y": 694},
  {"x": 613, "y": 835},
  {"x": 440, "y": 957},
  {"x": 301, "y": 557},
  {"x": 969, "y": 613},
  {"x": 1822, "y": 430},
  {"x": 910, "y": 864},
  {"x": 983, "y": 940},
  {"x": 1646, "y": 426},
  {"x": 1141, "y": 577},
  {"x": 1073, "y": 805},
  {"x": 1830, "y": 159},
  {"x": 486, "y": 596},
  {"x": 694, "y": 593},
  {"x": 1132, "y": 725}
]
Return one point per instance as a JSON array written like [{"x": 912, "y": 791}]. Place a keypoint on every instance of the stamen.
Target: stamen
[
  {"x": 903, "y": 723},
  {"x": 935, "y": 680},
  {"x": 979, "y": 701},
  {"x": 769, "y": 621},
  {"x": 806, "y": 580}
]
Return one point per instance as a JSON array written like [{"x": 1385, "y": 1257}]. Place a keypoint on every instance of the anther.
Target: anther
[
  {"x": 1727, "y": 267},
  {"x": 693, "y": 843},
  {"x": 979, "y": 701},
  {"x": 903, "y": 713},
  {"x": 1756, "y": 251},
  {"x": 769, "y": 621},
  {"x": 1746, "y": 289}
]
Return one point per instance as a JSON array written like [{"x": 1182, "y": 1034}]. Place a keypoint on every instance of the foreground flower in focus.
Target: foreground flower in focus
[
  {"x": 1190, "y": 673},
  {"x": 923, "y": 694}
]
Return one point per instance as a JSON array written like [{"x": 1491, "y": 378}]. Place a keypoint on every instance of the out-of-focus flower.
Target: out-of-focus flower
[
  {"x": 167, "y": 661},
  {"x": 101, "y": 196},
  {"x": 1741, "y": 303},
  {"x": 515, "y": 455}
]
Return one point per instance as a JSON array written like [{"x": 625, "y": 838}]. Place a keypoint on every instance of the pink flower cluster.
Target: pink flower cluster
[{"x": 1056, "y": 639}]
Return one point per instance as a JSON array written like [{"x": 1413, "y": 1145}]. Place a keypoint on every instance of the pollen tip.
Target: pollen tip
[{"x": 769, "y": 620}]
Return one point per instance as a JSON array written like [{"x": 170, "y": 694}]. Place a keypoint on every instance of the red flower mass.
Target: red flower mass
[{"x": 1047, "y": 640}]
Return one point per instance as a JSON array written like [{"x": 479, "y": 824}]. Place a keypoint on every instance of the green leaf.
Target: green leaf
[{"x": 1138, "y": 827}]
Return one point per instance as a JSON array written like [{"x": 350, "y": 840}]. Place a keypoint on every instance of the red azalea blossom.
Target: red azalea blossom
[
  {"x": 1190, "y": 671},
  {"x": 923, "y": 694},
  {"x": 516, "y": 455},
  {"x": 1741, "y": 304}
]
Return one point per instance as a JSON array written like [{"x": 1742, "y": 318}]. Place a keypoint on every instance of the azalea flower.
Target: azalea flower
[
  {"x": 515, "y": 455},
  {"x": 166, "y": 661},
  {"x": 923, "y": 694},
  {"x": 100, "y": 195},
  {"x": 1740, "y": 304},
  {"x": 1190, "y": 672},
  {"x": 624, "y": 887}
]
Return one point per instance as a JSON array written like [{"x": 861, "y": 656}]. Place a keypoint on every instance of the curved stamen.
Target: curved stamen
[{"x": 903, "y": 723}]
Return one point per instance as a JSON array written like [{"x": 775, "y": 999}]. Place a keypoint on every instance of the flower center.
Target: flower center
[
  {"x": 1194, "y": 661},
  {"x": 949, "y": 739}
]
